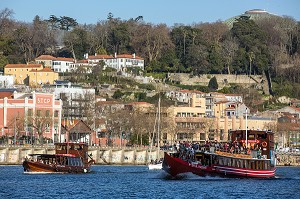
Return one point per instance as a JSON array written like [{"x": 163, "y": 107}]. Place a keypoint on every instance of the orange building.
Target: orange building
[{"x": 29, "y": 116}]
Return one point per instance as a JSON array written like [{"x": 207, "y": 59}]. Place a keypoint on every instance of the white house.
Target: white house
[
  {"x": 62, "y": 64},
  {"x": 58, "y": 64},
  {"x": 119, "y": 62}
]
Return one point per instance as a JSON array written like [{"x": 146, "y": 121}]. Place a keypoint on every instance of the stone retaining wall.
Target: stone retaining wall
[
  {"x": 14, "y": 155},
  {"x": 259, "y": 81}
]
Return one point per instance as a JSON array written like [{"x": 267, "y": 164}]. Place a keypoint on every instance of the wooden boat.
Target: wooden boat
[
  {"x": 259, "y": 162},
  {"x": 68, "y": 158}
]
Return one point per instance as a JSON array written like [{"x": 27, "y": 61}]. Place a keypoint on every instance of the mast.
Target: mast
[
  {"x": 246, "y": 128},
  {"x": 153, "y": 133},
  {"x": 158, "y": 128}
]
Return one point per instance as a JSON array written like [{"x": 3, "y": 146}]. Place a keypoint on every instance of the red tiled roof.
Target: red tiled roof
[
  {"x": 100, "y": 57},
  {"x": 9, "y": 95},
  {"x": 139, "y": 103},
  {"x": 46, "y": 70},
  {"x": 23, "y": 65},
  {"x": 128, "y": 56},
  {"x": 63, "y": 59},
  {"x": 42, "y": 70},
  {"x": 45, "y": 57},
  {"x": 230, "y": 108},
  {"x": 82, "y": 61}
]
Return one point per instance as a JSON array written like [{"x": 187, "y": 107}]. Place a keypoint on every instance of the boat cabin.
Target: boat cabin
[
  {"x": 256, "y": 139},
  {"x": 76, "y": 149}
]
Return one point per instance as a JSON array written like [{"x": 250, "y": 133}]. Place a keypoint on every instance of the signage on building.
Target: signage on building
[{"x": 43, "y": 100}]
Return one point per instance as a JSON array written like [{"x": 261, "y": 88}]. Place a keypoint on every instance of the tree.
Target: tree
[
  {"x": 41, "y": 122},
  {"x": 76, "y": 41},
  {"x": 213, "y": 84},
  {"x": 67, "y": 23},
  {"x": 252, "y": 39},
  {"x": 118, "y": 94}
]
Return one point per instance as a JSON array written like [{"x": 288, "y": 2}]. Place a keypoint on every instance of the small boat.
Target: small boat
[
  {"x": 155, "y": 165},
  {"x": 258, "y": 161},
  {"x": 68, "y": 158}
]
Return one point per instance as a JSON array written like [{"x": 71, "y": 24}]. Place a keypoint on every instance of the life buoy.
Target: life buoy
[{"x": 264, "y": 144}]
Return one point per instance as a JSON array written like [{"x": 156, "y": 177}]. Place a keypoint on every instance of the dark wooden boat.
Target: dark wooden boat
[
  {"x": 258, "y": 162},
  {"x": 68, "y": 158}
]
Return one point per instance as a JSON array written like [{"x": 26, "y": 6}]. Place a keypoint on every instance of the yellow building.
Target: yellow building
[
  {"x": 219, "y": 108},
  {"x": 46, "y": 60},
  {"x": 31, "y": 74},
  {"x": 192, "y": 124},
  {"x": 44, "y": 76},
  {"x": 21, "y": 71}
]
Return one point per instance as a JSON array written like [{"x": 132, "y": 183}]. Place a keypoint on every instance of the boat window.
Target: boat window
[
  {"x": 261, "y": 136},
  {"x": 221, "y": 162}
]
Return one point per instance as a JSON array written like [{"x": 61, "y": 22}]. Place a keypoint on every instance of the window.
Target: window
[
  {"x": 38, "y": 113},
  {"x": 47, "y": 127},
  {"x": 29, "y": 113},
  {"x": 47, "y": 113},
  {"x": 55, "y": 113}
]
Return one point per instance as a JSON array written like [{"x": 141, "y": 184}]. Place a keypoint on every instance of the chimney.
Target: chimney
[
  {"x": 133, "y": 55},
  {"x": 115, "y": 55}
]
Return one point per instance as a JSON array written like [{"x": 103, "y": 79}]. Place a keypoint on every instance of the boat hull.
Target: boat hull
[
  {"x": 38, "y": 167},
  {"x": 155, "y": 166},
  {"x": 175, "y": 166}
]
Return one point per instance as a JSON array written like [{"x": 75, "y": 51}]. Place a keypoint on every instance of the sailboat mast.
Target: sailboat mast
[
  {"x": 158, "y": 125},
  {"x": 246, "y": 128}
]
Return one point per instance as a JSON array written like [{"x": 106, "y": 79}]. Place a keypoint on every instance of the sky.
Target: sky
[{"x": 169, "y": 12}]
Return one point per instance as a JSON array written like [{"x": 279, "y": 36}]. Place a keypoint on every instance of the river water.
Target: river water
[{"x": 138, "y": 182}]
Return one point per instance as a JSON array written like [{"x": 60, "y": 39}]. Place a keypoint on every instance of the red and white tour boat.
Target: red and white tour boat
[{"x": 251, "y": 155}]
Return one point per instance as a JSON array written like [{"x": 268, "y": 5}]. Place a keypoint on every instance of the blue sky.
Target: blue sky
[{"x": 153, "y": 11}]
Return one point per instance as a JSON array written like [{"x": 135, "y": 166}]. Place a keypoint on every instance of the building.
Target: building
[
  {"x": 30, "y": 74},
  {"x": 43, "y": 76},
  {"x": 78, "y": 102},
  {"x": 28, "y": 117},
  {"x": 21, "y": 72},
  {"x": 119, "y": 62},
  {"x": 62, "y": 64},
  {"x": 254, "y": 14},
  {"x": 45, "y": 60},
  {"x": 6, "y": 81},
  {"x": 58, "y": 64}
]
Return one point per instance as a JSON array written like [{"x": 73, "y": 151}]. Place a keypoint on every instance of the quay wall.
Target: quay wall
[
  {"x": 288, "y": 159},
  {"x": 15, "y": 155}
]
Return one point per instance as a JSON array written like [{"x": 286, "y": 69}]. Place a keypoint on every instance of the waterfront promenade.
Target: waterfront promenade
[{"x": 15, "y": 154}]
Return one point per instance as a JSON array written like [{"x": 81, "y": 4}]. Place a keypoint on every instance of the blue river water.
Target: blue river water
[{"x": 138, "y": 182}]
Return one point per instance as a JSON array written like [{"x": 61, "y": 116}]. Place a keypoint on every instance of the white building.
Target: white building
[
  {"x": 119, "y": 62},
  {"x": 6, "y": 81},
  {"x": 58, "y": 64},
  {"x": 74, "y": 97},
  {"x": 62, "y": 64}
]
